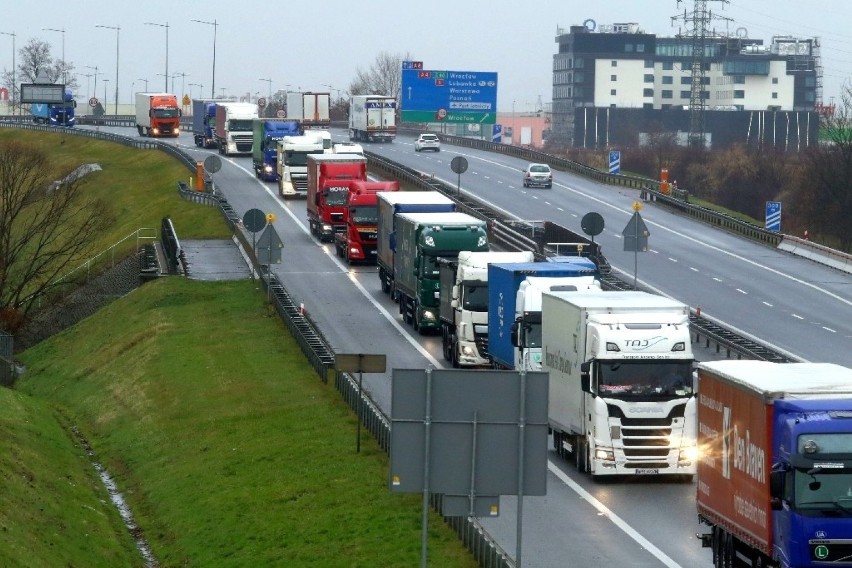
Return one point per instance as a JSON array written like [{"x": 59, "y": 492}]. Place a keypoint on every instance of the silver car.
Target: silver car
[
  {"x": 538, "y": 175},
  {"x": 427, "y": 142}
]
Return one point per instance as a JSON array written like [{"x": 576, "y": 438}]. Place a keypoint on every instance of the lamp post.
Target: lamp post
[
  {"x": 172, "y": 77},
  {"x": 183, "y": 77},
  {"x": 13, "y": 68},
  {"x": 105, "y": 81},
  {"x": 146, "y": 83},
  {"x": 200, "y": 88},
  {"x": 117, "y": 32},
  {"x": 62, "y": 31},
  {"x": 95, "y": 88},
  {"x": 269, "y": 98},
  {"x": 215, "y": 27},
  {"x": 166, "y": 25},
  {"x": 88, "y": 77}
]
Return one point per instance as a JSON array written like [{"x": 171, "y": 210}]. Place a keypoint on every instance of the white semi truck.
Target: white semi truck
[
  {"x": 621, "y": 382},
  {"x": 372, "y": 118},
  {"x": 464, "y": 304},
  {"x": 234, "y": 127},
  {"x": 292, "y": 164}
]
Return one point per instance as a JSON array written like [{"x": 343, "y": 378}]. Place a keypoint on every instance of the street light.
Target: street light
[
  {"x": 269, "y": 98},
  {"x": 13, "y": 68},
  {"x": 146, "y": 83},
  {"x": 183, "y": 77},
  {"x": 200, "y": 88},
  {"x": 95, "y": 88},
  {"x": 62, "y": 31},
  {"x": 88, "y": 77},
  {"x": 105, "y": 81},
  {"x": 215, "y": 27},
  {"x": 172, "y": 77},
  {"x": 166, "y": 25},
  {"x": 117, "y": 31}
]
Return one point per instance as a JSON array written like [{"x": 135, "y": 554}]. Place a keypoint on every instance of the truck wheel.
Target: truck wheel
[
  {"x": 581, "y": 455},
  {"x": 727, "y": 550},
  {"x": 139, "y": 129},
  {"x": 455, "y": 353},
  {"x": 445, "y": 343}
]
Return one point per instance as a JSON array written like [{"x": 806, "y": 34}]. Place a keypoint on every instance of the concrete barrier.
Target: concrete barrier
[{"x": 816, "y": 252}]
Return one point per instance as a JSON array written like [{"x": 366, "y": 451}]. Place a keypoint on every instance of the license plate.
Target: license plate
[{"x": 647, "y": 471}]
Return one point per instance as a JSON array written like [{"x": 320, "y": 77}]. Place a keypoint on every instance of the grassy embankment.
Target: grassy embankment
[{"x": 228, "y": 449}]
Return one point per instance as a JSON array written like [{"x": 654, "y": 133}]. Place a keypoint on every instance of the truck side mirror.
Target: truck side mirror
[
  {"x": 776, "y": 486},
  {"x": 180, "y": 112},
  {"x": 513, "y": 335},
  {"x": 585, "y": 377}
]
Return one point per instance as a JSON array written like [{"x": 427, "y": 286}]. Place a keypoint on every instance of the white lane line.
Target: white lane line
[
  {"x": 829, "y": 329},
  {"x": 387, "y": 315},
  {"x": 717, "y": 279},
  {"x": 694, "y": 240},
  {"x": 768, "y": 304},
  {"x": 692, "y": 268},
  {"x": 797, "y": 316},
  {"x": 672, "y": 259},
  {"x": 741, "y": 291},
  {"x": 616, "y": 520}
]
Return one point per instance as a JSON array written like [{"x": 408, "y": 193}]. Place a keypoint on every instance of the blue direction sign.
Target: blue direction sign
[
  {"x": 614, "y": 162},
  {"x": 449, "y": 96},
  {"x": 773, "y": 216},
  {"x": 497, "y": 133}
]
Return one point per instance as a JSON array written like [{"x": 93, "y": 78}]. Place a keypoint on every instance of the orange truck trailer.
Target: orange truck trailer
[{"x": 775, "y": 472}]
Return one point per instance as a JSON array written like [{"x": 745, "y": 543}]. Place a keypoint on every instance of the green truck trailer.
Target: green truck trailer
[{"x": 421, "y": 239}]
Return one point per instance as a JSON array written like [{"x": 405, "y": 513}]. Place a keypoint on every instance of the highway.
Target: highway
[{"x": 796, "y": 305}]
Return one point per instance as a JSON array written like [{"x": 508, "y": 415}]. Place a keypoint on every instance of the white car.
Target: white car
[
  {"x": 427, "y": 142},
  {"x": 538, "y": 174}
]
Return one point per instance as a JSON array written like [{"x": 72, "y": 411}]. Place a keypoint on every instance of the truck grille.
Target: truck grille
[
  {"x": 243, "y": 143},
  {"x": 835, "y": 552},
  {"x": 300, "y": 184},
  {"x": 646, "y": 452},
  {"x": 481, "y": 344},
  {"x": 368, "y": 234}
]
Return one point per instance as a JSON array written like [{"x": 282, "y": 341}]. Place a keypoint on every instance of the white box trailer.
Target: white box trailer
[
  {"x": 372, "y": 118},
  {"x": 621, "y": 388}
]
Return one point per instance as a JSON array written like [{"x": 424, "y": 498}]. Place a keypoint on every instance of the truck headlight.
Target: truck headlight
[
  {"x": 468, "y": 351},
  {"x": 155, "y": 130},
  {"x": 326, "y": 228},
  {"x": 267, "y": 168},
  {"x": 177, "y": 130},
  {"x": 689, "y": 454},
  {"x": 429, "y": 315},
  {"x": 605, "y": 455}
]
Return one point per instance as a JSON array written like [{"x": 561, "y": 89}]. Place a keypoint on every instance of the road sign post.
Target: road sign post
[
  {"x": 360, "y": 363},
  {"x": 636, "y": 237}
]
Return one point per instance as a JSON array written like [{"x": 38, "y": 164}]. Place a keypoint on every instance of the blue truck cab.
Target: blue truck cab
[
  {"x": 266, "y": 133},
  {"x": 56, "y": 114}
]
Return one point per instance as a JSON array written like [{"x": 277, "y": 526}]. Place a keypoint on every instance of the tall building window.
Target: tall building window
[
  {"x": 739, "y": 94},
  {"x": 668, "y": 65},
  {"x": 686, "y": 94},
  {"x": 649, "y": 64},
  {"x": 668, "y": 79},
  {"x": 774, "y": 95},
  {"x": 640, "y": 48},
  {"x": 647, "y": 92},
  {"x": 612, "y": 92},
  {"x": 775, "y": 80},
  {"x": 613, "y": 77},
  {"x": 614, "y": 63},
  {"x": 686, "y": 80},
  {"x": 628, "y": 47},
  {"x": 649, "y": 78},
  {"x": 667, "y": 94}
]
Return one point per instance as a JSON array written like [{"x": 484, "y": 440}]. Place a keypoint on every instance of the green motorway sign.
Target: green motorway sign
[{"x": 469, "y": 117}]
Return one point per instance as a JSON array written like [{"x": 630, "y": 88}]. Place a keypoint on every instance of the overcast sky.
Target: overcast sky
[{"x": 310, "y": 45}]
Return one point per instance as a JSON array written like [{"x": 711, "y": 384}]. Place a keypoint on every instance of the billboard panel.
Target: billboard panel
[{"x": 35, "y": 93}]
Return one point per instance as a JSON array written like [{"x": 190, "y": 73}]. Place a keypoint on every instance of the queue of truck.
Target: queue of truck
[{"x": 769, "y": 443}]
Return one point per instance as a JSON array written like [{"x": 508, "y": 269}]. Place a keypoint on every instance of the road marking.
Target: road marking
[
  {"x": 616, "y": 520},
  {"x": 829, "y": 329},
  {"x": 692, "y": 268},
  {"x": 768, "y": 304},
  {"x": 797, "y": 316},
  {"x": 672, "y": 259},
  {"x": 717, "y": 279},
  {"x": 345, "y": 269},
  {"x": 741, "y": 291}
]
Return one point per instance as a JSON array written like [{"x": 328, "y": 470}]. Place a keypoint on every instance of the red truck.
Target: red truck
[
  {"x": 328, "y": 185},
  {"x": 775, "y": 465},
  {"x": 157, "y": 114},
  {"x": 357, "y": 242}
]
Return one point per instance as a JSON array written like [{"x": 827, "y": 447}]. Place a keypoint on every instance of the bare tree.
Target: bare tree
[
  {"x": 384, "y": 77},
  {"x": 34, "y": 58},
  {"x": 45, "y": 227},
  {"x": 829, "y": 169}
]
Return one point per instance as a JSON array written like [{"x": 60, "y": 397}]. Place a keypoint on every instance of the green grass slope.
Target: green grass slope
[{"x": 228, "y": 448}]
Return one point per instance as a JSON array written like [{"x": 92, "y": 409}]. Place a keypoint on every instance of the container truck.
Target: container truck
[
  {"x": 775, "y": 472},
  {"x": 372, "y": 118},
  {"x": 357, "y": 242},
  {"x": 514, "y": 306},
  {"x": 464, "y": 304},
  {"x": 421, "y": 239},
  {"x": 234, "y": 127},
  {"x": 328, "y": 184},
  {"x": 292, "y": 167},
  {"x": 266, "y": 133},
  {"x": 392, "y": 204},
  {"x": 157, "y": 114},
  {"x": 310, "y": 109},
  {"x": 54, "y": 114},
  {"x": 621, "y": 398},
  {"x": 204, "y": 122}
]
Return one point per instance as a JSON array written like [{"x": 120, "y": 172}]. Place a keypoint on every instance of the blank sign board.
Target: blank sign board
[{"x": 473, "y": 428}]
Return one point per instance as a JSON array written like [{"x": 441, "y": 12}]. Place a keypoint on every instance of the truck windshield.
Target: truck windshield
[
  {"x": 165, "y": 113},
  {"x": 298, "y": 158},
  {"x": 475, "y": 296},
  {"x": 239, "y": 125},
  {"x": 824, "y": 490},
  {"x": 643, "y": 378},
  {"x": 336, "y": 195},
  {"x": 364, "y": 215}
]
